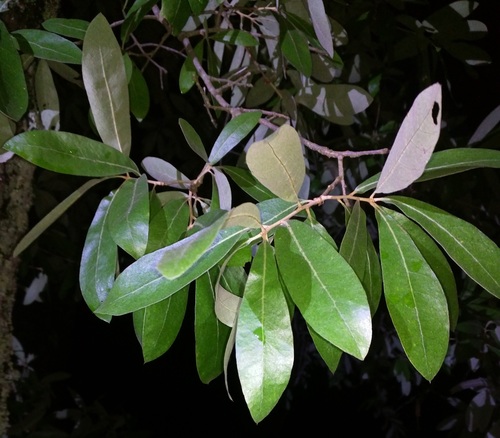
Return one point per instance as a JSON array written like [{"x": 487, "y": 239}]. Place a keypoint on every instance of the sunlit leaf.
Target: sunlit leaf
[
  {"x": 99, "y": 259},
  {"x": 13, "y": 90},
  {"x": 128, "y": 219},
  {"x": 410, "y": 285},
  {"x": 296, "y": 50},
  {"x": 324, "y": 287},
  {"x": 277, "y": 162},
  {"x": 106, "y": 84},
  {"x": 69, "y": 153},
  {"x": 68, "y": 27},
  {"x": 414, "y": 143},
  {"x": 232, "y": 134},
  {"x": 47, "y": 45},
  {"x": 193, "y": 139},
  {"x": 158, "y": 325},
  {"x": 264, "y": 339},
  {"x": 321, "y": 24},
  {"x": 471, "y": 249}
]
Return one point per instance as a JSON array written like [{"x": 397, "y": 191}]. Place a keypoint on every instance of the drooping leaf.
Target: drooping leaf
[
  {"x": 414, "y": 143},
  {"x": 47, "y": 45},
  {"x": 128, "y": 218},
  {"x": 186, "y": 252},
  {"x": 414, "y": 297},
  {"x": 470, "y": 248},
  {"x": 165, "y": 172},
  {"x": 139, "y": 94},
  {"x": 54, "y": 214},
  {"x": 264, "y": 339},
  {"x": 69, "y": 153},
  {"x": 13, "y": 90},
  {"x": 277, "y": 162},
  {"x": 334, "y": 305},
  {"x": 210, "y": 334},
  {"x": 176, "y": 12},
  {"x": 105, "y": 81},
  {"x": 321, "y": 24},
  {"x": 99, "y": 259},
  {"x": 447, "y": 162},
  {"x": 158, "y": 325},
  {"x": 244, "y": 179},
  {"x": 193, "y": 139},
  {"x": 68, "y": 27},
  {"x": 296, "y": 50},
  {"x": 237, "y": 37},
  {"x": 353, "y": 246},
  {"x": 372, "y": 278},
  {"x": 141, "y": 284},
  {"x": 232, "y": 134},
  {"x": 47, "y": 99},
  {"x": 328, "y": 352}
]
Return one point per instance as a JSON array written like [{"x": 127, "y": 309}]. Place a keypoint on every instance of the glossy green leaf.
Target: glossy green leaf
[
  {"x": 186, "y": 252},
  {"x": 471, "y": 249},
  {"x": 232, "y": 134},
  {"x": 436, "y": 260},
  {"x": 372, "y": 277},
  {"x": 141, "y": 284},
  {"x": 139, "y": 94},
  {"x": 13, "y": 90},
  {"x": 158, "y": 325},
  {"x": 245, "y": 180},
  {"x": 54, "y": 214},
  {"x": 105, "y": 81},
  {"x": 414, "y": 142},
  {"x": 324, "y": 287},
  {"x": 47, "y": 45},
  {"x": 296, "y": 50},
  {"x": 353, "y": 246},
  {"x": 276, "y": 209},
  {"x": 69, "y": 153},
  {"x": 198, "y": 6},
  {"x": 321, "y": 24},
  {"x": 447, "y": 162},
  {"x": 99, "y": 259},
  {"x": 165, "y": 172},
  {"x": 210, "y": 334},
  {"x": 193, "y": 139},
  {"x": 277, "y": 162},
  {"x": 68, "y": 27},
  {"x": 237, "y": 37},
  {"x": 176, "y": 12},
  {"x": 410, "y": 285},
  {"x": 264, "y": 339},
  {"x": 328, "y": 352},
  {"x": 188, "y": 74},
  {"x": 128, "y": 219},
  {"x": 135, "y": 16},
  {"x": 322, "y": 231}
]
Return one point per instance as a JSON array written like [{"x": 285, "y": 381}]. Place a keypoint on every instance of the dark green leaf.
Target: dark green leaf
[
  {"x": 410, "y": 285},
  {"x": 198, "y": 6},
  {"x": 158, "y": 325},
  {"x": 13, "y": 91},
  {"x": 176, "y": 13},
  {"x": 324, "y": 287},
  {"x": 328, "y": 352},
  {"x": 68, "y": 27},
  {"x": 237, "y": 37},
  {"x": 372, "y": 278},
  {"x": 188, "y": 74},
  {"x": 353, "y": 246},
  {"x": 193, "y": 139},
  {"x": 296, "y": 50},
  {"x": 139, "y": 94},
  {"x": 47, "y": 45},
  {"x": 128, "y": 219},
  {"x": 264, "y": 339},
  {"x": 245, "y": 180},
  {"x": 135, "y": 16},
  {"x": 69, "y": 153}
]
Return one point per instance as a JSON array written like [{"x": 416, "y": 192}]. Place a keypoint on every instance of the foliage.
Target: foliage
[{"x": 272, "y": 79}]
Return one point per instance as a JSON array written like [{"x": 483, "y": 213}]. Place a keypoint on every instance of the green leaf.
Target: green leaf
[
  {"x": 210, "y": 334},
  {"x": 237, "y": 37},
  {"x": 47, "y": 45},
  {"x": 328, "y": 352},
  {"x": 176, "y": 12},
  {"x": 47, "y": 100},
  {"x": 410, "y": 285},
  {"x": 244, "y": 215},
  {"x": 245, "y": 180},
  {"x": 277, "y": 162},
  {"x": 128, "y": 220},
  {"x": 223, "y": 188},
  {"x": 68, "y": 27},
  {"x": 276, "y": 209},
  {"x": 264, "y": 339},
  {"x": 13, "y": 90},
  {"x": 158, "y": 325},
  {"x": 141, "y": 284},
  {"x": 54, "y": 214},
  {"x": 321, "y": 24},
  {"x": 324, "y": 287},
  {"x": 188, "y": 74},
  {"x": 232, "y": 134},
  {"x": 193, "y": 139},
  {"x": 198, "y": 6},
  {"x": 322, "y": 231},
  {"x": 372, "y": 277},
  {"x": 447, "y": 162},
  {"x": 471, "y": 249},
  {"x": 414, "y": 143},
  {"x": 99, "y": 259},
  {"x": 353, "y": 246},
  {"x": 139, "y": 94},
  {"x": 105, "y": 81},
  {"x": 187, "y": 251},
  {"x": 135, "y": 16},
  {"x": 69, "y": 153},
  {"x": 163, "y": 171},
  {"x": 296, "y": 50}
]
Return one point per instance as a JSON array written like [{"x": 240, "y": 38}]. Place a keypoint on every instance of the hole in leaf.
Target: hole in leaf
[{"x": 435, "y": 112}]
